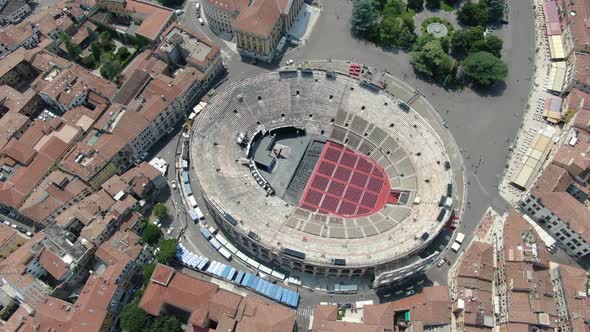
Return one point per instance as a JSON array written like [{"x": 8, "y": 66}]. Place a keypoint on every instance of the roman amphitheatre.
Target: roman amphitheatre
[{"x": 316, "y": 170}]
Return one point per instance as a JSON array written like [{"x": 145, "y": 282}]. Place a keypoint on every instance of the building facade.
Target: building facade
[{"x": 562, "y": 228}]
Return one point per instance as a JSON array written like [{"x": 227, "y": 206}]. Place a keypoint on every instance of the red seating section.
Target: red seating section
[{"x": 345, "y": 183}]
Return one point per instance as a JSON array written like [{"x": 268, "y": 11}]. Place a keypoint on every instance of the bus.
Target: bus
[{"x": 225, "y": 253}]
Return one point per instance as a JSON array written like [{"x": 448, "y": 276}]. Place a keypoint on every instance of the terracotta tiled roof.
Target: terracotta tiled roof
[
  {"x": 53, "y": 264},
  {"x": 579, "y": 21},
  {"x": 569, "y": 210},
  {"x": 203, "y": 300},
  {"x": 155, "y": 18},
  {"x": 120, "y": 248},
  {"x": 259, "y": 19},
  {"x": 582, "y": 70},
  {"x": 229, "y": 5},
  {"x": 553, "y": 178},
  {"x": 477, "y": 262}
]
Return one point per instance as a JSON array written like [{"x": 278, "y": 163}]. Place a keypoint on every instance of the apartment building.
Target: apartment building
[
  {"x": 558, "y": 200},
  {"x": 12, "y": 11},
  {"x": 471, "y": 287},
  {"x": 260, "y": 27},
  {"x": 221, "y": 13}
]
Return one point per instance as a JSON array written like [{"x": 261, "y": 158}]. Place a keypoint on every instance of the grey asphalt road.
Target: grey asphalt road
[{"x": 482, "y": 124}]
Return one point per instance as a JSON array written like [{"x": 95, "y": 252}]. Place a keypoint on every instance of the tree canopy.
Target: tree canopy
[
  {"x": 473, "y": 14},
  {"x": 483, "y": 69},
  {"x": 464, "y": 39},
  {"x": 72, "y": 48},
  {"x": 363, "y": 18},
  {"x": 417, "y": 5},
  {"x": 495, "y": 10},
  {"x": 167, "y": 250},
  {"x": 490, "y": 44},
  {"x": 147, "y": 272},
  {"x": 160, "y": 211},
  {"x": 432, "y": 61},
  {"x": 134, "y": 319},
  {"x": 110, "y": 67},
  {"x": 150, "y": 233},
  {"x": 433, "y": 4},
  {"x": 165, "y": 324}
]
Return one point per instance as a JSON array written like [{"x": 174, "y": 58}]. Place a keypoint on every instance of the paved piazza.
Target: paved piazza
[{"x": 368, "y": 121}]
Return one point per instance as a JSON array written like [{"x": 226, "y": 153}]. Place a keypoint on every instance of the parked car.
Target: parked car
[
  {"x": 173, "y": 184},
  {"x": 201, "y": 22},
  {"x": 410, "y": 292},
  {"x": 179, "y": 12},
  {"x": 198, "y": 6}
]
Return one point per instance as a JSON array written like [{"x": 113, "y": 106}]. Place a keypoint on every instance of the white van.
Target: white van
[
  {"x": 201, "y": 22},
  {"x": 198, "y": 6},
  {"x": 460, "y": 237},
  {"x": 455, "y": 247}
]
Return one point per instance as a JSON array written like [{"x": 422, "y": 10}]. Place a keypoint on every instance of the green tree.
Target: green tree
[
  {"x": 423, "y": 40},
  {"x": 72, "y": 48},
  {"x": 147, "y": 273},
  {"x": 379, "y": 4},
  {"x": 473, "y": 14},
  {"x": 491, "y": 44},
  {"x": 464, "y": 39},
  {"x": 390, "y": 29},
  {"x": 416, "y": 5},
  {"x": 495, "y": 10},
  {"x": 160, "y": 211},
  {"x": 106, "y": 42},
  {"x": 88, "y": 62},
  {"x": 394, "y": 8},
  {"x": 406, "y": 38},
  {"x": 150, "y": 233},
  {"x": 167, "y": 250},
  {"x": 122, "y": 53},
  {"x": 165, "y": 324},
  {"x": 134, "y": 319},
  {"x": 109, "y": 66},
  {"x": 483, "y": 69},
  {"x": 433, "y": 4},
  {"x": 363, "y": 18},
  {"x": 96, "y": 50},
  {"x": 432, "y": 61}
]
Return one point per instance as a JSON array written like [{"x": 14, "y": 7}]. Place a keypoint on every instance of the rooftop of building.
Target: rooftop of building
[
  {"x": 260, "y": 17},
  {"x": 202, "y": 300},
  {"x": 229, "y": 5},
  {"x": 477, "y": 262},
  {"x": 120, "y": 248},
  {"x": 577, "y": 13},
  {"x": 12, "y": 6},
  {"x": 57, "y": 189},
  {"x": 431, "y": 307},
  {"x": 553, "y": 178},
  {"x": 522, "y": 243},
  {"x": 568, "y": 209},
  {"x": 155, "y": 18},
  {"x": 582, "y": 63},
  {"x": 198, "y": 50}
]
